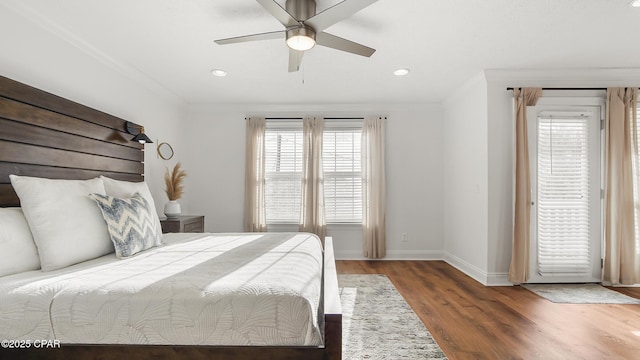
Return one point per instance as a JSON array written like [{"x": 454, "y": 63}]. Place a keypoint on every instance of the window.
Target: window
[{"x": 341, "y": 166}]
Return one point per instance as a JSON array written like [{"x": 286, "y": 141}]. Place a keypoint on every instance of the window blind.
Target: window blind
[
  {"x": 563, "y": 196},
  {"x": 342, "y": 175},
  {"x": 283, "y": 175}
]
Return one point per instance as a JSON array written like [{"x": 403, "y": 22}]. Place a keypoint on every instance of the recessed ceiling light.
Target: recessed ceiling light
[
  {"x": 401, "y": 72},
  {"x": 218, "y": 72},
  {"x": 635, "y": 3}
]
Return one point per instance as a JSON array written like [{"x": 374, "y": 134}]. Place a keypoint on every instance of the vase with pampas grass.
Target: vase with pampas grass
[{"x": 175, "y": 189}]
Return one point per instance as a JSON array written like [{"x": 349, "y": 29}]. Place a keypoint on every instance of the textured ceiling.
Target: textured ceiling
[{"x": 443, "y": 42}]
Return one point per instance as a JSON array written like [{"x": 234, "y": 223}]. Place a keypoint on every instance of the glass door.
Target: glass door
[{"x": 566, "y": 194}]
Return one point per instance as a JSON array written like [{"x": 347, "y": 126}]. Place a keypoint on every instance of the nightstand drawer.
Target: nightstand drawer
[
  {"x": 194, "y": 226},
  {"x": 183, "y": 223}
]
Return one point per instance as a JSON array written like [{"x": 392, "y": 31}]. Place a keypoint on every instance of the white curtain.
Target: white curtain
[
  {"x": 373, "y": 188},
  {"x": 622, "y": 257},
  {"x": 312, "y": 216},
  {"x": 254, "y": 206}
]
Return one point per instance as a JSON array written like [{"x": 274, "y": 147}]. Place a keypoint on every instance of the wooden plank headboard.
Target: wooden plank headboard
[{"x": 44, "y": 135}]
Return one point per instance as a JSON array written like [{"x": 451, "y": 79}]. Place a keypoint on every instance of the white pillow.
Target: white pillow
[
  {"x": 67, "y": 226},
  {"x": 126, "y": 189},
  {"x": 130, "y": 223},
  {"x": 17, "y": 250}
]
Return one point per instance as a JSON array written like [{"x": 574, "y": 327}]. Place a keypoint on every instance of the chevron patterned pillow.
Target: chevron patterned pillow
[{"x": 130, "y": 223}]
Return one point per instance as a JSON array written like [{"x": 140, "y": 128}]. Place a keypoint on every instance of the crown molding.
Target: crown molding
[
  {"x": 314, "y": 109},
  {"x": 586, "y": 77}
]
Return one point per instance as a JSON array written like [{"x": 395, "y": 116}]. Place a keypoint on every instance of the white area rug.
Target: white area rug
[
  {"x": 580, "y": 294},
  {"x": 377, "y": 323}
]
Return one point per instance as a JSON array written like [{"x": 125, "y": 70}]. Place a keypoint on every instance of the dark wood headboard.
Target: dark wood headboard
[{"x": 44, "y": 135}]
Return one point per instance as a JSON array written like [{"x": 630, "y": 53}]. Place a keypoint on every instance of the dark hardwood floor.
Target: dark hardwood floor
[{"x": 471, "y": 321}]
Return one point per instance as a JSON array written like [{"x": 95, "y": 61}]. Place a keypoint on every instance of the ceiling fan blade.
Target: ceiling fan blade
[
  {"x": 337, "y": 13},
  {"x": 278, "y": 12},
  {"x": 295, "y": 59},
  {"x": 254, "y": 37},
  {"x": 339, "y": 43}
]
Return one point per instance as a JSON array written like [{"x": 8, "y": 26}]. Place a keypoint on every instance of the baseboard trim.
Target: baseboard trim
[
  {"x": 474, "y": 272},
  {"x": 471, "y": 270},
  {"x": 498, "y": 279},
  {"x": 392, "y": 255}
]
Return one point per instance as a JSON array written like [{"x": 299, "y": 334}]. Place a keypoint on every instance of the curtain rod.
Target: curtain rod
[
  {"x": 510, "y": 88},
  {"x": 566, "y": 88},
  {"x": 327, "y": 118}
]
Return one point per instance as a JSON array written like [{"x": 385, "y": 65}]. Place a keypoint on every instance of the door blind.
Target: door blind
[{"x": 563, "y": 169}]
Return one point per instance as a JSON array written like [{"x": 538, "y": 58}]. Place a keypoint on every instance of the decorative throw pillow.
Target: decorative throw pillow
[
  {"x": 130, "y": 223},
  {"x": 18, "y": 252},
  {"x": 126, "y": 189},
  {"x": 66, "y": 225}
]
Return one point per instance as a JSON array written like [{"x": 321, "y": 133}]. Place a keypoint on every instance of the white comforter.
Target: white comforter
[{"x": 213, "y": 289}]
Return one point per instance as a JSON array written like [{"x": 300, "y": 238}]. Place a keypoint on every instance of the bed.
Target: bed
[{"x": 167, "y": 300}]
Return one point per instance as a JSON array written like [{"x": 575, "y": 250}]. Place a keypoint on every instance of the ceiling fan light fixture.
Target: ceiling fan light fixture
[{"x": 301, "y": 38}]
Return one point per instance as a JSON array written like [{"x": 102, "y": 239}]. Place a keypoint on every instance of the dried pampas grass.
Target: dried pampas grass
[{"x": 174, "y": 182}]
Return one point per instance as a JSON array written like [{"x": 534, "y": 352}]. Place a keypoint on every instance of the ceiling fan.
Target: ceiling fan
[{"x": 304, "y": 28}]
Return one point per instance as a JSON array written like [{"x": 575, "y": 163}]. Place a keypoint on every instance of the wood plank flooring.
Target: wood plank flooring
[{"x": 471, "y": 321}]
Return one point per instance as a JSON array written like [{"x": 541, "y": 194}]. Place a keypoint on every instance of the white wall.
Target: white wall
[
  {"x": 500, "y": 185},
  {"x": 49, "y": 59},
  {"x": 215, "y": 162},
  {"x": 414, "y": 182},
  {"x": 465, "y": 178}
]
